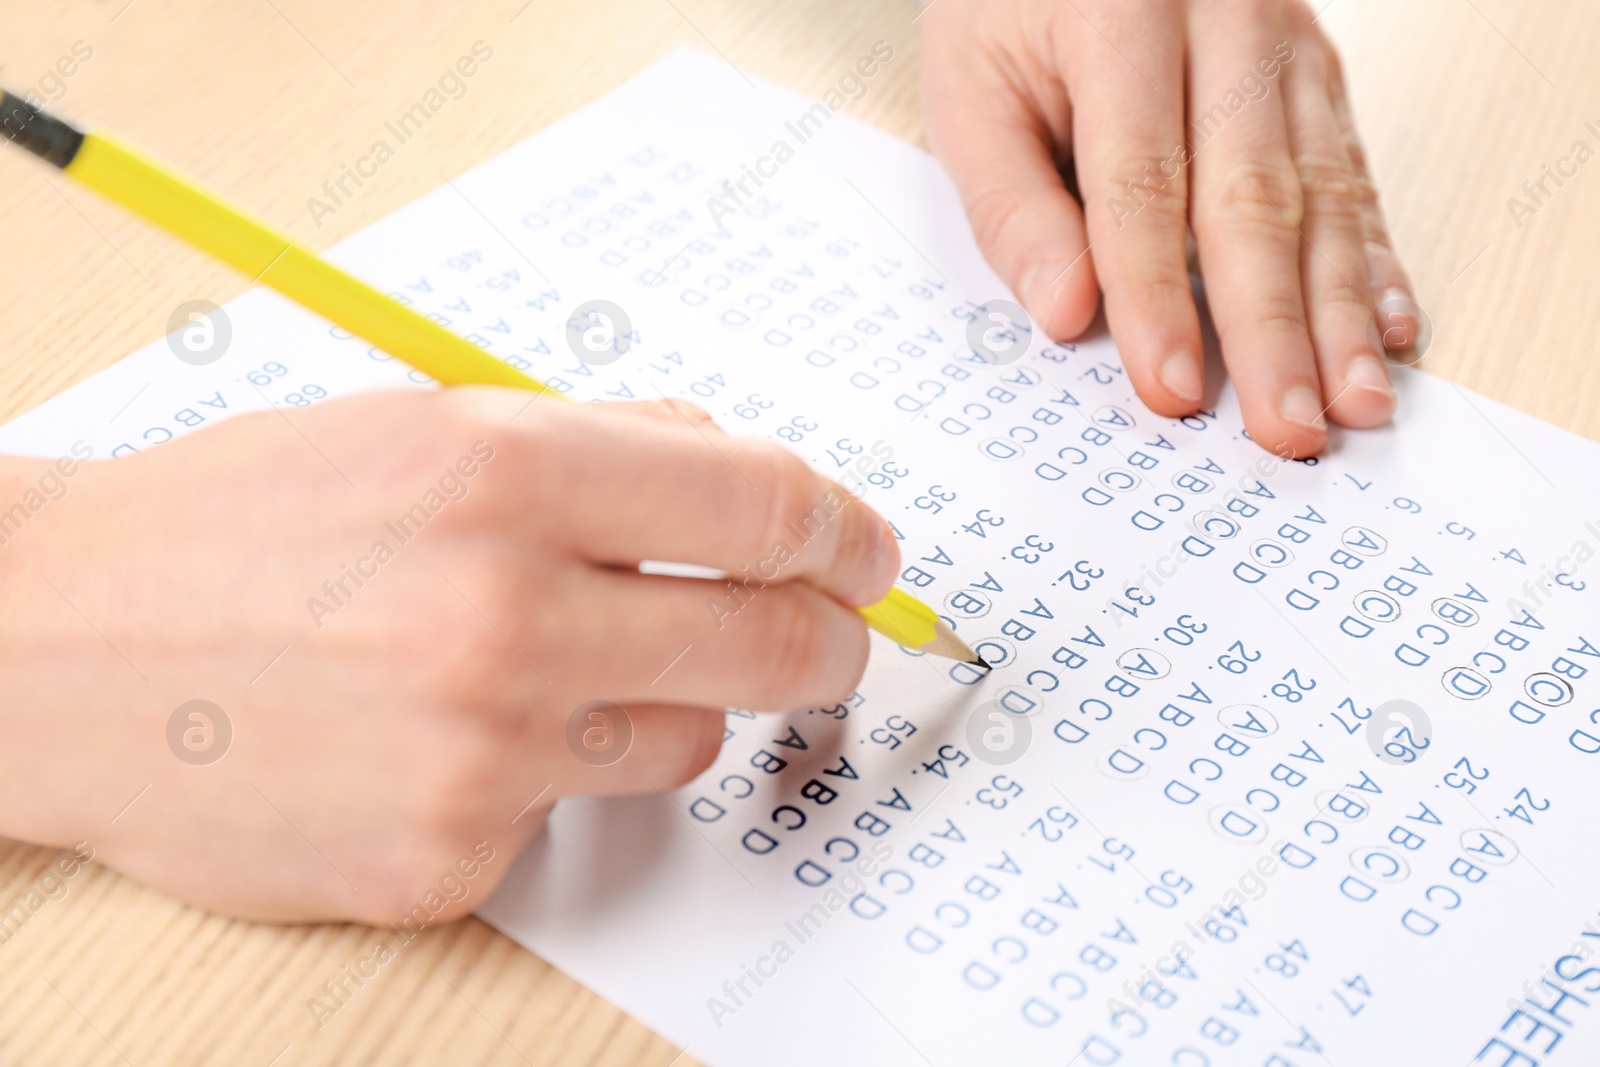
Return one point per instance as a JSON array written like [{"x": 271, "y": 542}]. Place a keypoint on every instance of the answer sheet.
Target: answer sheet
[{"x": 1281, "y": 763}]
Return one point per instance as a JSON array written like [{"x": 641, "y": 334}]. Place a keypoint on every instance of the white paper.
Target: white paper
[{"x": 1033, "y": 912}]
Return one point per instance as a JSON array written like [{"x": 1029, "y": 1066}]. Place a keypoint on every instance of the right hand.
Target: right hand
[{"x": 427, "y": 708}]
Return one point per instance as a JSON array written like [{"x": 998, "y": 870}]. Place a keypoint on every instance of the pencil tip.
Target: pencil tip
[{"x": 979, "y": 661}]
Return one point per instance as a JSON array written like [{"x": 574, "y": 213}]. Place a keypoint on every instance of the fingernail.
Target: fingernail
[
  {"x": 1367, "y": 373},
  {"x": 1303, "y": 404},
  {"x": 1181, "y": 376}
]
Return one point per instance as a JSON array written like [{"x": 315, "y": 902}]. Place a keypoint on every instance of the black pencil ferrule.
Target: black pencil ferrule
[{"x": 47, "y": 137}]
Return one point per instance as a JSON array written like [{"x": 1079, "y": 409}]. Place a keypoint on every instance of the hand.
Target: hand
[
  {"x": 398, "y": 601},
  {"x": 1225, "y": 115}
]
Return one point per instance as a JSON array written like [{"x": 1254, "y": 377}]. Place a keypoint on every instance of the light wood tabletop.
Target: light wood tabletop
[{"x": 1461, "y": 102}]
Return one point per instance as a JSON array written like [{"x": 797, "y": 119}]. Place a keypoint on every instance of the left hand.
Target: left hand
[{"x": 1225, "y": 115}]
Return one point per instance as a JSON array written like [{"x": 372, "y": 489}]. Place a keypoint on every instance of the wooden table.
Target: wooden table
[{"x": 1461, "y": 101}]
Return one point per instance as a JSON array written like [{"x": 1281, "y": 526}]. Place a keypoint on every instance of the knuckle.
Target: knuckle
[
  {"x": 665, "y": 409},
  {"x": 798, "y": 651},
  {"x": 992, "y": 213},
  {"x": 671, "y": 410},
  {"x": 1155, "y": 284},
  {"x": 793, "y": 501},
  {"x": 1374, "y": 227},
  {"x": 1144, "y": 170},
  {"x": 856, "y": 542},
  {"x": 687, "y": 409},
  {"x": 1380, "y": 250},
  {"x": 1251, "y": 12},
  {"x": 1298, "y": 14},
  {"x": 1366, "y": 191},
  {"x": 1150, "y": 184},
  {"x": 1377, "y": 243},
  {"x": 1269, "y": 313},
  {"x": 1284, "y": 314},
  {"x": 1352, "y": 141},
  {"x": 1257, "y": 195},
  {"x": 1332, "y": 199},
  {"x": 472, "y": 663},
  {"x": 1324, "y": 182},
  {"x": 1169, "y": 209},
  {"x": 471, "y": 413},
  {"x": 1342, "y": 291},
  {"x": 797, "y": 658}
]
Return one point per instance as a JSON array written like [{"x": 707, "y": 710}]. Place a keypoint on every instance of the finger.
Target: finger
[
  {"x": 1247, "y": 213},
  {"x": 1333, "y": 263},
  {"x": 1132, "y": 158},
  {"x": 997, "y": 142},
  {"x": 742, "y": 504},
  {"x": 744, "y": 643},
  {"x": 648, "y": 489},
  {"x": 622, "y": 749},
  {"x": 1399, "y": 318}
]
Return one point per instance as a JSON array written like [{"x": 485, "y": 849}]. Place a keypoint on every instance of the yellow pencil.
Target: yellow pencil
[{"x": 186, "y": 209}]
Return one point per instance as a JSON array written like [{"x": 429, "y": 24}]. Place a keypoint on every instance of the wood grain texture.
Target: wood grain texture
[{"x": 1461, "y": 101}]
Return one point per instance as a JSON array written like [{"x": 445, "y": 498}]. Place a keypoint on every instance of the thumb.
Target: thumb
[{"x": 997, "y": 146}]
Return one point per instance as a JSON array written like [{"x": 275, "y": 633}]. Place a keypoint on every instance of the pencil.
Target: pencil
[{"x": 187, "y": 210}]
